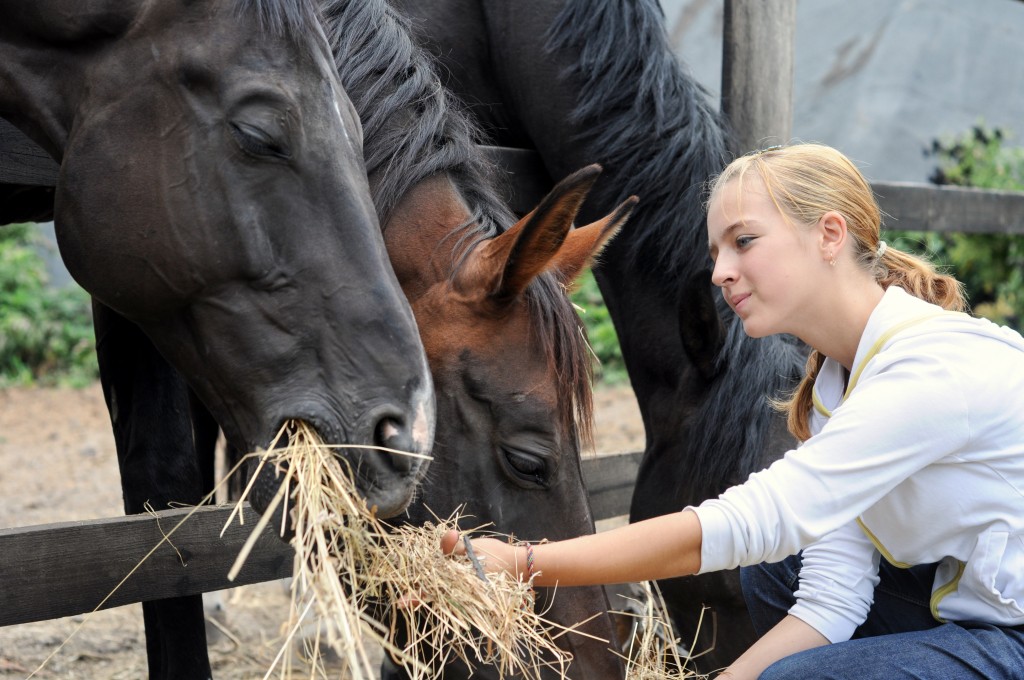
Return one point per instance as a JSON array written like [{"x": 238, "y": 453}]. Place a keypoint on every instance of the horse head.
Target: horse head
[
  {"x": 212, "y": 191},
  {"x": 511, "y": 372}
]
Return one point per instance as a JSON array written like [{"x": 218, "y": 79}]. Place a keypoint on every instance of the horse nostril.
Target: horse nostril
[{"x": 392, "y": 434}]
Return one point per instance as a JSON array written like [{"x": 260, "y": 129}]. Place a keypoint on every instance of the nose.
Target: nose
[
  {"x": 723, "y": 272},
  {"x": 391, "y": 433}
]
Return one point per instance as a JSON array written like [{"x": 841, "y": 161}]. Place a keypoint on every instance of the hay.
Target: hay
[
  {"x": 348, "y": 565},
  {"x": 655, "y": 652}
]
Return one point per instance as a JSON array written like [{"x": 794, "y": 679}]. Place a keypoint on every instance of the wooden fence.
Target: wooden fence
[{"x": 68, "y": 568}]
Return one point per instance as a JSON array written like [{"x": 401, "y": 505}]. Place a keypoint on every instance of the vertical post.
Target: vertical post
[{"x": 757, "y": 71}]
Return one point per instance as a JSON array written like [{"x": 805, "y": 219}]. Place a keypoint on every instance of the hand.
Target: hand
[{"x": 495, "y": 556}]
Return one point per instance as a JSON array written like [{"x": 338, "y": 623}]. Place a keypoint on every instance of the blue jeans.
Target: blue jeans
[{"x": 899, "y": 640}]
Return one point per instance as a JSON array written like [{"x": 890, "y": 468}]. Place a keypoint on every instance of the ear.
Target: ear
[
  {"x": 701, "y": 329},
  {"x": 584, "y": 244},
  {"x": 510, "y": 261},
  {"x": 832, "y": 231}
]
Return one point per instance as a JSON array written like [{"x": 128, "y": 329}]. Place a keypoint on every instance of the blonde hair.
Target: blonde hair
[{"x": 805, "y": 181}]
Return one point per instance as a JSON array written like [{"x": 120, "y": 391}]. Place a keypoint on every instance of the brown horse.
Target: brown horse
[
  {"x": 584, "y": 81},
  {"x": 213, "y": 200},
  {"x": 506, "y": 349}
]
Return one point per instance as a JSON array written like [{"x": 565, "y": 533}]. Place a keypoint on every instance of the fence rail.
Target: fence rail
[
  {"x": 39, "y": 564},
  {"x": 909, "y": 205}
]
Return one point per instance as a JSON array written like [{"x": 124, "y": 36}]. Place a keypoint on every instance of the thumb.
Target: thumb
[{"x": 451, "y": 545}]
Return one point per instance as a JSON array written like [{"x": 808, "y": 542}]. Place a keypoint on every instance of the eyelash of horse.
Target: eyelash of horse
[{"x": 256, "y": 141}]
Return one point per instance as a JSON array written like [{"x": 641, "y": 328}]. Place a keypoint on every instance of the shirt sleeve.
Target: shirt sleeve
[
  {"x": 837, "y": 583},
  {"x": 906, "y": 412}
]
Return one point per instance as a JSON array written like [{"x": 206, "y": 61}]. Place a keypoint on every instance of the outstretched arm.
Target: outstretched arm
[{"x": 657, "y": 548}]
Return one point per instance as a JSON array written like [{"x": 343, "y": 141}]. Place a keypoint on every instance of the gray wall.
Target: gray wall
[{"x": 880, "y": 79}]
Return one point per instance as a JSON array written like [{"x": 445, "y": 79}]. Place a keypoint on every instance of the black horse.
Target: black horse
[
  {"x": 213, "y": 200},
  {"x": 586, "y": 81}
]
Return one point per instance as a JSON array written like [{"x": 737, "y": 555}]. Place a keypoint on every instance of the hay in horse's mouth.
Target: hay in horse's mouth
[{"x": 348, "y": 565}]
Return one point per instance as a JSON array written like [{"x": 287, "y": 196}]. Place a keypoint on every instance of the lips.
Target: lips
[{"x": 736, "y": 300}]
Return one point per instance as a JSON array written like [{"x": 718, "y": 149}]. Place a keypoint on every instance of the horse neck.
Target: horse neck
[{"x": 46, "y": 49}]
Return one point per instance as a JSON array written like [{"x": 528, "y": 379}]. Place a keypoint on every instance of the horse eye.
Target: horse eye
[
  {"x": 527, "y": 467},
  {"x": 256, "y": 141}
]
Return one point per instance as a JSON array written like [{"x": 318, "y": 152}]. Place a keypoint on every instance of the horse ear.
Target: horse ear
[
  {"x": 513, "y": 259},
  {"x": 584, "y": 244},
  {"x": 701, "y": 329}
]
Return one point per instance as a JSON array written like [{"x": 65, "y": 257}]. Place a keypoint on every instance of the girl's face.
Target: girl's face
[{"x": 767, "y": 266}]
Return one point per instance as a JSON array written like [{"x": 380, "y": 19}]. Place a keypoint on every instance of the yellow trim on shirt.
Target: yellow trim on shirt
[
  {"x": 881, "y": 548},
  {"x": 946, "y": 590},
  {"x": 875, "y": 349}
]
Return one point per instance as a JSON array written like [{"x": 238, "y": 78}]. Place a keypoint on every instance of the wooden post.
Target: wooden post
[{"x": 757, "y": 71}]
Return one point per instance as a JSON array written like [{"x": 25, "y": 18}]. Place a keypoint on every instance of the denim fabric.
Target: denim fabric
[{"x": 899, "y": 640}]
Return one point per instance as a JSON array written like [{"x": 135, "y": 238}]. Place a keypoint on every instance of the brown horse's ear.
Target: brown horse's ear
[
  {"x": 513, "y": 259},
  {"x": 584, "y": 244}
]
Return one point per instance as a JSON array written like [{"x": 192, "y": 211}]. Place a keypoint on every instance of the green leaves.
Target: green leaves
[
  {"x": 600, "y": 330},
  {"x": 991, "y": 266},
  {"x": 46, "y": 333}
]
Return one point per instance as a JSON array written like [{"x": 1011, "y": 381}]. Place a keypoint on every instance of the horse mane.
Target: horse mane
[
  {"x": 413, "y": 130},
  {"x": 291, "y": 18},
  {"x": 654, "y": 129}
]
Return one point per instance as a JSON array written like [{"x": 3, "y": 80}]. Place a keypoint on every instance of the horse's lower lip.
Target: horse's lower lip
[{"x": 390, "y": 500}]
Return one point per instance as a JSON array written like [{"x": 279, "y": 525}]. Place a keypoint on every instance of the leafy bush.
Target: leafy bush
[
  {"x": 46, "y": 333},
  {"x": 600, "y": 330},
  {"x": 991, "y": 266}
]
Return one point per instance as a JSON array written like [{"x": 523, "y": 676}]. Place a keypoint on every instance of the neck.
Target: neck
[
  {"x": 45, "y": 47},
  {"x": 837, "y": 330}
]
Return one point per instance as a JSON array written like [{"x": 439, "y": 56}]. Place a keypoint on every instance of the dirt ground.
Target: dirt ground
[{"x": 57, "y": 463}]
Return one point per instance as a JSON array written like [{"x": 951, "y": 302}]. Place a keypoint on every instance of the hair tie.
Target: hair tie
[{"x": 881, "y": 250}]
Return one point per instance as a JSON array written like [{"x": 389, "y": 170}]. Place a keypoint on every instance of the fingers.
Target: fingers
[{"x": 451, "y": 545}]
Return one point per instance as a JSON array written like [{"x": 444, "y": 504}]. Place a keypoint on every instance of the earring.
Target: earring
[{"x": 831, "y": 259}]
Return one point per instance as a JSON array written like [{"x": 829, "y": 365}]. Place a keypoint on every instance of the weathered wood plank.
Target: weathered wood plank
[
  {"x": 56, "y": 570},
  {"x": 610, "y": 481},
  {"x": 908, "y": 205},
  {"x": 757, "y": 71},
  {"x": 925, "y": 207}
]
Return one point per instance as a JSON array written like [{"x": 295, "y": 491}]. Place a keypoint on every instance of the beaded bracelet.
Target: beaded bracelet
[{"x": 529, "y": 561}]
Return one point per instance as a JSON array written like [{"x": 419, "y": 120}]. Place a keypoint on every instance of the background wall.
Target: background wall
[{"x": 880, "y": 79}]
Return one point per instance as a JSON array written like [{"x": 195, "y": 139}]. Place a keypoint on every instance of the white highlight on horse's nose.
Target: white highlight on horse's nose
[
  {"x": 337, "y": 112},
  {"x": 421, "y": 428}
]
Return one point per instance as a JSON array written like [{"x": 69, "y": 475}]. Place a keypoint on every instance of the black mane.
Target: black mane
[
  {"x": 659, "y": 137},
  {"x": 413, "y": 130},
  {"x": 651, "y": 121}
]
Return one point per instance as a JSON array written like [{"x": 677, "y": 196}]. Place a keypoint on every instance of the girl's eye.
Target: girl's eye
[{"x": 744, "y": 241}]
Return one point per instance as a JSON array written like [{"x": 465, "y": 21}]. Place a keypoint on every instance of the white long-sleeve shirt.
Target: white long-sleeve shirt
[{"x": 921, "y": 461}]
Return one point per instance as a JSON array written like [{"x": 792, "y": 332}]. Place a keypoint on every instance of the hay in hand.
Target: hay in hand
[
  {"x": 349, "y": 565},
  {"x": 655, "y": 652}
]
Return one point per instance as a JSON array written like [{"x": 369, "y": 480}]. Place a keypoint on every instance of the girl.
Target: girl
[{"x": 890, "y": 544}]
